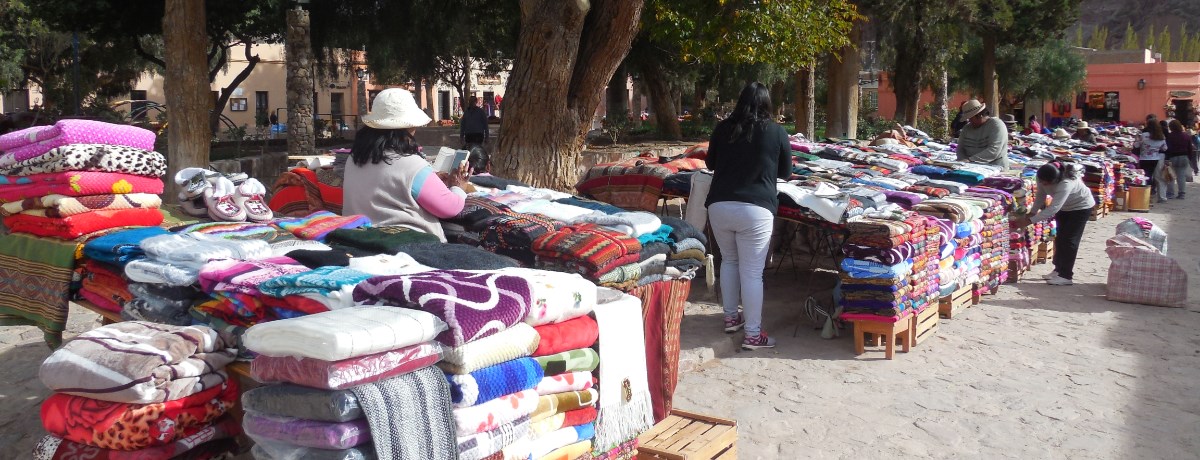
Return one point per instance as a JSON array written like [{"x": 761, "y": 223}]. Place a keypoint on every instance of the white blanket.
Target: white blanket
[
  {"x": 343, "y": 334},
  {"x": 556, "y": 296},
  {"x": 512, "y": 343},
  {"x": 622, "y": 369}
]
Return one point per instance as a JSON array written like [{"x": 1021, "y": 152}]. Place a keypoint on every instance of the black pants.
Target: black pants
[
  {"x": 1066, "y": 243},
  {"x": 473, "y": 138},
  {"x": 1150, "y": 166}
]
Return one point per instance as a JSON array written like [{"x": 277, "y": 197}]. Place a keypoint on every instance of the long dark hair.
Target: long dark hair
[
  {"x": 371, "y": 145},
  {"x": 753, "y": 110},
  {"x": 1156, "y": 131}
]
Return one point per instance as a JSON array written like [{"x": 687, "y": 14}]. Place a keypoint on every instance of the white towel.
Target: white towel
[
  {"x": 622, "y": 369},
  {"x": 343, "y": 334}
]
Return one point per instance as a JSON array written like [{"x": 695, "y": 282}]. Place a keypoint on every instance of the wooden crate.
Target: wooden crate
[
  {"x": 925, "y": 324},
  {"x": 958, "y": 301},
  {"x": 689, "y": 436},
  {"x": 1045, "y": 251}
]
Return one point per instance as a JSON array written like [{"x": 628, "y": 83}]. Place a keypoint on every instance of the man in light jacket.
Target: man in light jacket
[{"x": 984, "y": 139}]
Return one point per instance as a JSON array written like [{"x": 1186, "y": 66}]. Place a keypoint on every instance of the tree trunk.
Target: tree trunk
[
  {"x": 566, "y": 52},
  {"x": 662, "y": 104},
  {"x": 842, "y": 107},
  {"x": 302, "y": 139},
  {"x": 429, "y": 99},
  {"x": 806, "y": 94},
  {"x": 991, "y": 86},
  {"x": 186, "y": 88},
  {"x": 941, "y": 104},
  {"x": 618, "y": 94}
]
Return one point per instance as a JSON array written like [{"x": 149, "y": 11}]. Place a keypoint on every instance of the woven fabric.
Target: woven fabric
[
  {"x": 592, "y": 246},
  {"x": 1140, "y": 274},
  {"x": 581, "y": 360},
  {"x": 482, "y": 445},
  {"x": 64, "y": 206},
  {"x": 382, "y": 240},
  {"x": 35, "y": 282},
  {"x": 75, "y": 183},
  {"x": 494, "y": 381},
  {"x": 78, "y": 225},
  {"x": 662, "y": 313},
  {"x": 410, "y": 417},
  {"x": 512, "y": 343},
  {"x": 574, "y": 334},
  {"x": 211, "y": 441},
  {"x": 319, "y": 224},
  {"x": 339, "y": 375}
]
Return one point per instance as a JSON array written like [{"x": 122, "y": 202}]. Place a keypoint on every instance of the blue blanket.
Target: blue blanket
[{"x": 495, "y": 381}]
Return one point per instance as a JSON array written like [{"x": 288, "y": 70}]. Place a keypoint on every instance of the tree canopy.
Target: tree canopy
[{"x": 1048, "y": 72}]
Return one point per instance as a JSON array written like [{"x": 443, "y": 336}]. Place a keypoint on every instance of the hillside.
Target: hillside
[{"x": 1116, "y": 14}]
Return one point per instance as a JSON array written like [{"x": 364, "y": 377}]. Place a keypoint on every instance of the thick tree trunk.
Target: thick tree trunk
[
  {"x": 662, "y": 103},
  {"x": 618, "y": 94},
  {"x": 806, "y": 106},
  {"x": 842, "y": 107},
  {"x": 429, "y": 99},
  {"x": 991, "y": 86},
  {"x": 566, "y": 53},
  {"x": 186, "y": 88},
  {"x": 302, "y": 138},
  {"x": 941, "y": 104}
]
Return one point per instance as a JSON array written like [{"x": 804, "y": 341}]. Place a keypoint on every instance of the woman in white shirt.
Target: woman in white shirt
[
  {"x": 1071, "y": 203},
  {"x": 1151, "y": 146}
]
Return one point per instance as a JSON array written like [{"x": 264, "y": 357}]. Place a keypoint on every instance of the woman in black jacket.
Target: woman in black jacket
[{"x": 1179, "y": 149}]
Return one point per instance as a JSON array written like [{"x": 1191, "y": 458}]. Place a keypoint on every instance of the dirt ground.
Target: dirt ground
[{"x": 1033, "y": 372}]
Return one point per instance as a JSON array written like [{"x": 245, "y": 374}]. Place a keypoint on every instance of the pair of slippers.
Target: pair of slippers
[{"x": 235, "y": 198}]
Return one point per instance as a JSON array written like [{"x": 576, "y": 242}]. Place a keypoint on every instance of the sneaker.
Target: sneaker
[
  {"x": 1179, "y": 196},
  {"x": 734, "y": 323},
  {"x": 1162, "y": 200},
  {"x": 1051, "y": 275},
  {"x": 1059, "y": 281},
  {"x": 759, "y": 341}
]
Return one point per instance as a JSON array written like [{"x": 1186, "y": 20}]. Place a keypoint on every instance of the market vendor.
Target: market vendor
[
  {"x": 388, "y": 180},
  {"x": 1084, "y": 133},
  {"x": 1071, "y": 203},
  {"x": 984, "y": 139}
]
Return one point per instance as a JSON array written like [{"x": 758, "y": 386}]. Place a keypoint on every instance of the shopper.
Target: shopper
[
  {"x": 1071, "y": 203},
  {"x": 388, "y": 180},
  {"x": 1151, "y": 146},
  {"x": 474, "y": 124},
  {"x": 747, "y": 153},
  {"x": 984, "y": 139},
  {"x": 1179, "y": 153}
]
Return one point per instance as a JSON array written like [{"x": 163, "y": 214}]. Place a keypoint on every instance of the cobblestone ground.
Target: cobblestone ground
[{"x": 1033, "y": 372}]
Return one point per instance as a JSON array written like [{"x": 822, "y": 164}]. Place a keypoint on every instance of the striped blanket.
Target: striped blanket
[{"x": 35, "y": 278}]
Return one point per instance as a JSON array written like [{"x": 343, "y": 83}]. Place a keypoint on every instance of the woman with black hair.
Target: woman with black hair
[
  {"x": 747, "y": 153},
  {"x": 1071, "y": 203},
  {"x": 388, "y": 180}
]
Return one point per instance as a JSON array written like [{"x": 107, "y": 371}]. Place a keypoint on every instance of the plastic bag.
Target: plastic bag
[
  {"x": 1140, "y": 274},
  {"x": 303, "y": 402}
]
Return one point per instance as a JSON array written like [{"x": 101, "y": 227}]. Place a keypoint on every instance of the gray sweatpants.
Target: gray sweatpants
[{"x": 743, "y": 233}]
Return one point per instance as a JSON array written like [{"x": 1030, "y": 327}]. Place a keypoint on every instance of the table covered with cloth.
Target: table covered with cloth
[{"x": 35, "y": 283}]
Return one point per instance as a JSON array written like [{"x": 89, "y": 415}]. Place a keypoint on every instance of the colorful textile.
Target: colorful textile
[
  {"x": 321, "y": 281},
  {"x": 65, "y": 206},
  {"x": 581, "y": 360},
  {"x": 512, "y": 343},
  {"x": 561, "y": 438},
  {"x": 9, "y": 141},
  {"x": 564, "y": 402},
  {"x": 481, "y": 445},
  {"x": 562, "y": 383},
  {"x": 237, "y": 231},
  {"x": 317, "y": 225},
  {"x": 547, "y": 425},
  {"x": 592, "y": 246},
  {"x": 339, "y": 375},
  {"x": 493, "y": 382},
  {"x": 193, "y": 445},
  {"x": 78, "y": 225},
  {"x": 75, "y": 183},
  {"x": 579, "y": 416},
  {"x": 577, "y": 333},
  {"x": 303, "y": 402},
  {"x": 473, "y": 305},
  {"x": 193, "y": 250},
  {"x": 490, "y": 415},
  {"x": 625, "y": 406},
  {"x": 343, "y": 334},
  {"x": 662, "y": 313},
  {"x": 410, "y": 416},
  {"x": 514, "y": 235},
  {"x": 625, "y": 451},
  {"x": 110, "y": 363},
  {"x": 300, "y": 192},
  {"x": 556, "y": 296},
  {"x": 307, "y": 433},
  {"x": 35, "y": 282},
  {"x": 382, "y": 240},
  {"x": 120, "y": 247},
  {"x": 244, "y": 276},
  {"x": 91, "y": 157},
  {"x": 24, "y": 145},
  {"x": 122, "y": 426},
  {"x": 283, "y": 451}
]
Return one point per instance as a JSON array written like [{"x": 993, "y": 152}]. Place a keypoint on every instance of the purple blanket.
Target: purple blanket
[
  {"x": 906, "y": 200},
  {"x": 307, "y": 433},
  {"x": 886, "y": 256},
  {"x": 473, "y": 305},
  {"x": 33, "y": 142}
]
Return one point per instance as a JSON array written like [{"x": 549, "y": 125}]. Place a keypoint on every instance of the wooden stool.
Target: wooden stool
[{"x": 888, "y": 331}]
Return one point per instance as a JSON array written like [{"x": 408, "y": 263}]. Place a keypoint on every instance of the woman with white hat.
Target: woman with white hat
[
  {"x": 984, "y": 139},
  {"x": 1084, "y": 133},
  {"x": 388, "y": 180}
]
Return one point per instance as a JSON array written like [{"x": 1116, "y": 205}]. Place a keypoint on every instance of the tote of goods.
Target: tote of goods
[{"x": 1139, "y": 273}]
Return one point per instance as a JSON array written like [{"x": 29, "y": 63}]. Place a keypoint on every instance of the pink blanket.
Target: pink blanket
[
  {"x": 42, "y": 140},
  {"x": 28, "y": 136},
  {"x": 75, "y": 183}
]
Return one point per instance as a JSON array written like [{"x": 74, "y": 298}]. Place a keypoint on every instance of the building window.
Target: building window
[
  {"x": 237, "y": 104},
  {"x": 262, "y": 106}
]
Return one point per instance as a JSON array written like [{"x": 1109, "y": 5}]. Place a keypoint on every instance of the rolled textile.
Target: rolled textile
[
  {"x": 509, "y": 344},
  {"x": 866, "y": 269},
  {"x": 473, "y": 305},
  {"x": 303, "y": 402},
  {"x": 82, "y": 224},
  {"x": 66, "y": 132},
  {"x": 564, "y": 402},
  {"x": 111, "y": 363},
  {"x": 124, "y": 426},
  {"x": 342, "y": 334},
  {"x": 307, "y": 433},
  {"x": 518, "y": 450},
  {"x": 625, "y": 408},
  {"x": 457, "y": 257},
  {"x": 410, "y": 416},
  {"x": 339, "y": 375},
  {"x": 481, "y": 445},
  {"x": 272, "y": 450},
  {"x": 318, "y": 225},
  {"x": 75, "y": 183},
  {"x": 493, "y": 382},
  {"x": 581, "y": 360},
  {"x": 555, "y": 296},
  {"x": 120, "y": 247},
  {"x": 322, "y": 280},
  {"x": 490, "y": 415},
  {"x": 91, "y": 157},
  {"x": 577, "y": 333},
  {"x": 562, "y": 383},
  {"x": 244, "y": 276},
  {"x": 561, "y": 438},
  {"x": 196, "y": 442}
]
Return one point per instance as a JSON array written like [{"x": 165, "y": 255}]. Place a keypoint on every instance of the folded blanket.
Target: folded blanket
[
  {"x": 138, "y": 363},
  {"x": 64, "y": 206},
  {"x": 323, "y": 281},
  {"x": 654, "y": 249},
  {"x": 307, "y": 433},
  {"x": 196, "y": 249},
  {"x": 634, "y": 224},
  {"x": 555, "y": 296},
  {"x": 547, "y": 425},
  {"x": 690, "y": 243},
  {"x": 662, "y": 235},
  {"x": 124, "y": 426},
  {"x": 493, "y": 382},
  {"x": 490, "y": 415},
  {"x": 561, "y": 438},
  {"x": 512, "y": 343},
  {"x": 482, "y": 445},
  {"x": 91, "y": 157},
  {"x": 564, "y": 402},
  {"x": 120, "y": 247},
  {"x": 75, "y": 183},
  {"x": 410, "y": 416},
  {"x": 570, "y": 451},
  {"x": 581, "y": 360},
  {"x": 625, "y": 409},
  {"x": 148, "y": 271},
  {"x": 577, "y": 333},
  {"x": 319, "y": 224},
  {"x": 342, "y": 334},
  {"x": 457, "y": 257},
  {"x": 19, "y": 138},
  {"x": 303, "y": 402},
  {"x": 681, "y": 230},
  {"x": 82, "y": 224},
  {"x": 244, "y": 276},
  {"x": 580, "y": 416},
  {"x": 24, "y": 145},
  {"x": 382, "y": 240},
  {"x": 197, "y": 443},
  {"x": 515, "y": 234},
  {"x": 473, "y": 305},
  {"x": 562, "y": 383},
  {"x": 338, "y": 375},
  {"x": 174, "y": 313},
  {"x": 593, "y": 247},
  {"x": 274, "y": 450}
]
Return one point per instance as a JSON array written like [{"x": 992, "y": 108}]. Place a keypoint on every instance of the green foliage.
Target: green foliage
[
  {"x": 1099, "y": 39},
  {"x": 696, "y": 129},
  {"x": 616, "y": 127},
  {"x": 237, "y": 133},
  {"x": 1049, "y": 72},
  {"x": 1131, "y": 39},
  {"x": 1150, "y": 37},
  {"x": 1164, "y": 42}
]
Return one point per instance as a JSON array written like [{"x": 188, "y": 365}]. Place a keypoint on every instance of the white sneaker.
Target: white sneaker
[
  {"x": 1051, "y": 275},
  {"x": 1059, "y": 281}
]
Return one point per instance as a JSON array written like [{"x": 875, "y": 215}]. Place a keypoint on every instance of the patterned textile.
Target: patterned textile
[
  {"x": 339, "y": 375},
  {"x": 515, "y": 233},
  {"x": 343, "y": 334},
  {"x": 193, "y": 250},
  {"x": 35, "y": 282},
  {"x": 1141, "y": 274},
  {"x": 306, "y": 433},
  {"x": 581, "y": 360},
  {"x": 481, "y": 445},
  {"x": 319, "y": 224},
  {"x": 410, "y": 416},
  {"x": 122, "y": 426},
  {"x": 321, "y": 281},
  {"x": 555, "y": 296},
  {"x": 300, "y": 192},
  {"x": 625, "y": 405},
  {"x": 494, "y": 381},
  {"x": 75, "y": 183},
  {"x": 561, "y": 383},
  {"x": 574, "y": 334},
  {"x": 155, "y": 272},
  {"x": 490, "y": 415},
  {"x": 193, "y": 445},
  {"x": 473, "y": 305},
  {"x": 625, "y": 451},
  {"x": 564, "y": 402},
  {"x": 635, "y": 183},
  {"x": 662, "y": 312},
  {"x": 78, "y": 225},
  {"x": 237, "y": 231},
  {"x": 244, "y": 276},
  {"x": 591, "y": 246},
  {"x": 512, "y": 343},
  {"x": 65, "y": 206},
  {"x": 477, "y": 210},
  {"x": 565, "y": 443},
  {"x": 92, "y": 157},
  {"x": 120, "y": 247},
  {"x": 26, "y": 144}
]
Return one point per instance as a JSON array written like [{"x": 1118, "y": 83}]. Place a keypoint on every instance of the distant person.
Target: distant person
[
  {"x": 474, "y": 126},
  {"x": 984, "y": 139},
  {"x": 1010, "y": 122},
  {"x": 273, "y": 119},
  {"x": 958, "y": 123},
  {"x": 1180, "y": 150},
  {"x": 1151, "y": 146},
  {"x": 1071, "y": 204},
  {"x": 1084, "y": 133},
  {"x": 1033, "y": 126}
]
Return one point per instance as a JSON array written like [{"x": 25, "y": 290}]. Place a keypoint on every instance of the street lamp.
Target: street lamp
[
  {"x": 1141, "y": 84},
  {"x": 361, "y": 73}
]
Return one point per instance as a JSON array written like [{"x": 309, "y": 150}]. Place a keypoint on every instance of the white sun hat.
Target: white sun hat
[{"x": 395, "y": 108}]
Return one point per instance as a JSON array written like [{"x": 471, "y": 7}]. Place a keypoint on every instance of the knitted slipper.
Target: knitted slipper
[
  {"x": 249, "y": 196},
  {"x": 194, "y": 207},
  {"x": 221, "y": 203},
  {"x": 238, "y": 178},
  {"x": 194, "y": 181}
]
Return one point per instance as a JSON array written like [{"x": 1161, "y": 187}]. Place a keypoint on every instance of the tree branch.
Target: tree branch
[
  {"x": 227, "y": 92},
  {"x": 137, "y": 48},
  {"x": 222, "y": 57}
]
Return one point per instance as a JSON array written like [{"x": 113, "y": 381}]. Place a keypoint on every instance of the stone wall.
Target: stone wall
[{"x": 266, "y": 167}]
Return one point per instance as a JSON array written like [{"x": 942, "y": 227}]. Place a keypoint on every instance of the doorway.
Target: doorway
[
  {"x": 489, "y": 103},
  {"x": 443, "y": 105},
  {"x": 1185, "y": 111}
]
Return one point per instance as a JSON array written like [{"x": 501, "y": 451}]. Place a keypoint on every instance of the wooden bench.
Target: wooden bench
[
  {"x": 887, "y": 331},
  {"x": 955, "y": 303}
]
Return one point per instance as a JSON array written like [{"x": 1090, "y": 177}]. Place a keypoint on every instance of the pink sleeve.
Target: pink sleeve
[{"x": 433, "y": 195}]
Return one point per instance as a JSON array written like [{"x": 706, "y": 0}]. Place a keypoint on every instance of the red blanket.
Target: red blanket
[
  {"x": 198, "y": 443},
  {"x": 569, "y": 335},
  {"x": 75, "y": 226},
  {"x": 579, "y": 417},
  {"x": 75, "y": 183}
]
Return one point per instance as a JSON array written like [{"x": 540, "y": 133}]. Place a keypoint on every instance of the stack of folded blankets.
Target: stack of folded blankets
[
  {"x": 967, "y": 219},
  {"x": 878, "y": 271},
  {"x": 103, "y": 285},
  {"x": 1100, "y": 179},
  {"x": 996, "y": 232},
  {"x": 926, "y": 276},
  {"x": 175, "y": 259},
  {"x": 115, "y": 400},
  {"x": 1021, "y": 244},
  {"x": 233, "y": 285},
  {"x": 79, "y": 177},
  {"x": 606, "y": 256},
  {"x": 688, "y": 251},
  {"x": 992, "y": 251},
  {"x": 351, "y": 384}
]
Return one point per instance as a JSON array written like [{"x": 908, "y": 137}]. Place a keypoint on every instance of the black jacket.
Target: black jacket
[{"x": 746, "y": 171}]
